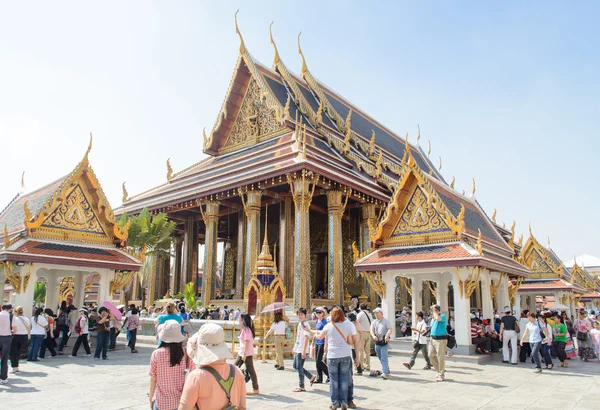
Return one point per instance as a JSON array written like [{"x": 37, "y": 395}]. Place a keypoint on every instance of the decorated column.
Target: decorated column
[
  {"x": 302, "y": 188},
  {"x": 22, "y": 279},
  {"x": 464, "y": 283},
  {"x": 211, "y": 219},
  {"x": 252, "y": 210},
  {"x": 417, "y": 300},
  {"x": 336, "y": 204},
  {"x": 503, "y": 298},
  {"x": 441, "y": 294},
  {"x": 51, "y": 290},
  {"x": 178, "y": 244},
  {"x": 241, "y": 249},
  {"x": 368, "y": 218},
  {"x": 190, "y": 253},
  {"x": 388, "y": 298},
  {"x": 286, "y": 245},
  {"x": 486, "y": 296},
  {"x": 79, "y": 284}
]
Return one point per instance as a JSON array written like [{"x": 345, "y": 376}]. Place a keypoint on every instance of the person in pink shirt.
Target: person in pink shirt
[
  {"x": 246, "y": 352},
  {"x": 595, "y": 334},
  {"x": 214, "y": 384}
]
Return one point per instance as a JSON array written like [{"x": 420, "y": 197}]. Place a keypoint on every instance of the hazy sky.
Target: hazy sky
[{"x": 507, "y": 92}]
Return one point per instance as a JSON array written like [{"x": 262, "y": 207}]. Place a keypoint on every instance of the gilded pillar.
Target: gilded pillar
[
  {"x": 211, "y": 220},
  {"x": 286, "y": 245},
  {"x": 252, "y": 210},
  {"x": 241, "y": 256},
  {"x": 336, "y": 204},
  {"x": 302, "y": 189},
  {"x": 368, "y": 217},
  {"x": 178, "y": 244},
  {"x": 190, "y": 253}
]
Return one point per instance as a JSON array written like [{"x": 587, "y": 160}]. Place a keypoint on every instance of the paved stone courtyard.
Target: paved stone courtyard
[{"x": 122, "y": 383}]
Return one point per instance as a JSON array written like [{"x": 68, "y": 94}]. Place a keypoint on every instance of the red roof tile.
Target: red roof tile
[{"x": 420, "y": 253}]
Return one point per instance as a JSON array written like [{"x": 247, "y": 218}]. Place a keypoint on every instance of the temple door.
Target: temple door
[{"x": 279, "y": 295}]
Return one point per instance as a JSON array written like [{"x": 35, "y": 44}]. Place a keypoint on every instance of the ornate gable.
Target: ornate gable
[
  {"x": 537, "y": 259},
  {"x": 536, "y": 262},
  {"x": 77, "y": 211},
  {"x": 419, "y": 217}
]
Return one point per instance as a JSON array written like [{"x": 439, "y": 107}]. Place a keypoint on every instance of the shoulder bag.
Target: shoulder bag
[
  {"x": 26, "y": 327},
  {"x": 346, "y": 338},
  {"x": 542, "y": 334}
]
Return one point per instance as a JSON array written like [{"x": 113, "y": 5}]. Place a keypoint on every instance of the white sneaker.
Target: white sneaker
[
  {"x": 88, "y": 355},
  {"x": 439, "y": 378},
  {"x": 385, "y": 376},
  {"x": 72, "y": 357},
  {"x": 4, "y": 381},
  {"x": 15, "y": 370}
]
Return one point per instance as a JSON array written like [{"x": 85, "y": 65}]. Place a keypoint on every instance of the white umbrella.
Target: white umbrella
[{"x": 558, "y": 306}]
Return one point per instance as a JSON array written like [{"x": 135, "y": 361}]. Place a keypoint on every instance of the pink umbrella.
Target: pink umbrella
[
  {"x": 273, "y": 307},
  {"x": 113, "y": 309}
]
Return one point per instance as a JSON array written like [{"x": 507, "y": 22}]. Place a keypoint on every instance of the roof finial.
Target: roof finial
[
  {"x": 440, "y": 167},
  {"x": 85, "y": 157},
  {"x": 474, "y": 188},
  {"x": 319, "y": 119},
  {"x": 23, "y": 180},
  {"x": 125, "y": 193},
  {"x": 548, "y": 241},
  {"x": 452, "y": 183},
  {"x": 169, "y": 170},
  {"x": 479, "y": 243},
  {"x": 304, "y": 67},
  {"x": 276, "y": 58},
  {"x": 428, "y": 147},
  {"x": 27, "y": 213},
  {"x": 372, "y": 143},
  {"x": 418, "y": 134},
  {"x": 521, "y": 240},
  {"x": 237, "y": 30},
  {"x": 494, "y": 215},
  {"x": 530, "y": 232},
  {"x": 6, "y": 238}
]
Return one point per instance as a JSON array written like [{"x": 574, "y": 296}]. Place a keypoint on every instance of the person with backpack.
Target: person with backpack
[
  {"x": 214, "y": 384},
  {"x": 49, "y": 342},
  {"x": 63, "y": 325},
  {"x": 37, "y": 333},
  {"x": 82, "y": 329}
]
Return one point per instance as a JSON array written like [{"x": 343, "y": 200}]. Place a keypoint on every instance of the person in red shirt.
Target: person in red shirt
[{"x": 484, "y": 343}]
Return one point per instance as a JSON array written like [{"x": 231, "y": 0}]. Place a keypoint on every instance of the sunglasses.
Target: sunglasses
[{"x": 318, "y": 312}]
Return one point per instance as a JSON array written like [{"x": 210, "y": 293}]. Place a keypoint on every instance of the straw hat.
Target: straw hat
[
  {"x": 208, "y": 345},
  {"x": 170, "y": 332}
]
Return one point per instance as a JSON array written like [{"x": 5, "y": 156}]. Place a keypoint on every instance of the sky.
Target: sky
[{"x": 507, "y": 92}]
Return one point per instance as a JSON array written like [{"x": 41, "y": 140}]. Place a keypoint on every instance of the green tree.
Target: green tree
[
  {"x": 191, "y": 302},
  {"x": 149, "y": 235},
  {"x": 39, "y": 293}
]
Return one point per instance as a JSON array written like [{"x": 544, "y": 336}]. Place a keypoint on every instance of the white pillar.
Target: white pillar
[
  {"x": 78, "y": 284},
  {"x": 51, "y": 291},
  {"x": 25, "y": 298},
  {"x": 462, "y": 314},
  {"x": 517, "y": 306},
  {"x": 486, "y": 296},
  {"x": 104, "y": 286},
  {"x": 503, "y": 298},
  {"x": 441, "y": 296},
  {"x": 417, "y": 300},
  {"x": 388, "y": 302}
]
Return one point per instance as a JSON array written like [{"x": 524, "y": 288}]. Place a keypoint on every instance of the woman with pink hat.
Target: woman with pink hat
[
  {"x": 214, "y": 384},
  {"x": 169, "y": 367}
]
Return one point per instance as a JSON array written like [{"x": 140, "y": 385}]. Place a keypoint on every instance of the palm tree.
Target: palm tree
[
  {"x": 39, "y": 293},
  {"x": 150, "y": 236}
]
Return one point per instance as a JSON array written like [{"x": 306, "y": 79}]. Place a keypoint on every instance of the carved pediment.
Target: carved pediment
[
  {"x": 419, "y": 217},
  {"x": 75, "y": 214},
  {"x": 255, "y": 120},
  {"x": 536, "y": 263}
]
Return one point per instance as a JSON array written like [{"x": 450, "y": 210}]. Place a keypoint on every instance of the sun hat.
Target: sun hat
[
  {"x": 507, "y": 310},
  {"x": 170, "y": 332},
  {"x": 377, "y": 310},
  {"x": 83, "y": 310},
  {"x": 208, "y": 345}
]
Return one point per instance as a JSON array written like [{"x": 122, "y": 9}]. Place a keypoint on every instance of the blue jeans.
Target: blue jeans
[
  {"x": 340, "y": 371},
  {"x": 302, "y": 372},
  {"x": 546, "y": 353},
  {"x": 102, "y": 344},
  {"x": 535, "y": 354},
  {"x": 382, "y": 354},
  {"x": 34, "y": 347}
]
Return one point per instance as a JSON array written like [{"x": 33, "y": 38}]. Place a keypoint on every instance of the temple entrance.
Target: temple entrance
[
  {"x": 252, "y": 301},
  {"x": 321, "y": 284}
]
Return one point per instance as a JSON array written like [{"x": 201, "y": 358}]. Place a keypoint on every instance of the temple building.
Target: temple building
[
  {"x": 64, "y": 234},
  {"x": 591, "y": 264}
]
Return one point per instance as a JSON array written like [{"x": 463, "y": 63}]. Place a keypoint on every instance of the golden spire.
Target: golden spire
[
  {"x": 474, "y": 188},
  {"x": 428, "y": 147},
  {"x": 479, "y": 243},
  {"x": 125, "y": 193},
  {"x": 452, "y": 183},
  {"x": 169, "y": 170},
  {"x": 204, "y": 137},
  {"x": 440, "y": 167},
  {"x": 276, "y": 58},
  {"x": 512, "y": 228},
  {"x": 530, "y": 232},
  {"x": 418, "y": 134},
  {"x": 304, "y": 67},
  {"x": 521, "y": 240},
  {"x": 264, "y": 258},
  {"x": 237, "y": 30},
  {"x": 494, "y": 215},
  {"x": 85, "y": 157}
]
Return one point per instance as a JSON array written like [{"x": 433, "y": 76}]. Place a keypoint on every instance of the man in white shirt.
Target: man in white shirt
[
  {"x": 6, "y": 332},
  {"x": 364, "y": 353},
  {"x": 420, "y": 341}
]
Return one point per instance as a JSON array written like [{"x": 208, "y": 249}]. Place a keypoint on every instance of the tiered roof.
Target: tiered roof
[{"x": 67, "y": 222}]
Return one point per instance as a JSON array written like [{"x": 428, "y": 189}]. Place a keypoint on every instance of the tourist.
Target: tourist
[
  {"x": 103, "y": 333},
  {"x": 547, "y": 343},
  {"x": 484, "y": 343},
  {"x": 364, "y": 353},
  {"x": 278, "y": 329},
  {"x": 169, "y": 366},
  {"x": 560, "y": 335},
  {"x": 420, "y": 330},
  {"x": 583, "y": 326},
  {"x": 490, "y": 331},
  {"x": 169, "y": 312},
  {"x": 20, "y": 339},
  {"x": 320, "y": 347},
  {"x": 525, "y": 348},
  {"x": 63, "y": 325},
  {"x": 82, "y": 330},
  {"x": 339, "y": 333},
  {"x": 37, "y": 334},
  {"x": 533, "y": 333},
  {"x": 155, "y": 313},
  {"x": 132, "y": 326},
  {"x": 301, "y": 349},
  {"x": 246, "y": 353},
  {"x": 509, "y": 327},
  {"x": 439, "y": 342},
  {"x": 381, "y": 331},
  {"x": 185, "y": 317},
  {"x": 595, "y": 335},
  {"x": 215, "y": 315},
  {"x": 6, "y": 335},
  {"x": 214, "y": 384},
  {"x": 114, "y": 326},
  {"x": 48, "y": 342},
  {"x": 352, "y": 317}
]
